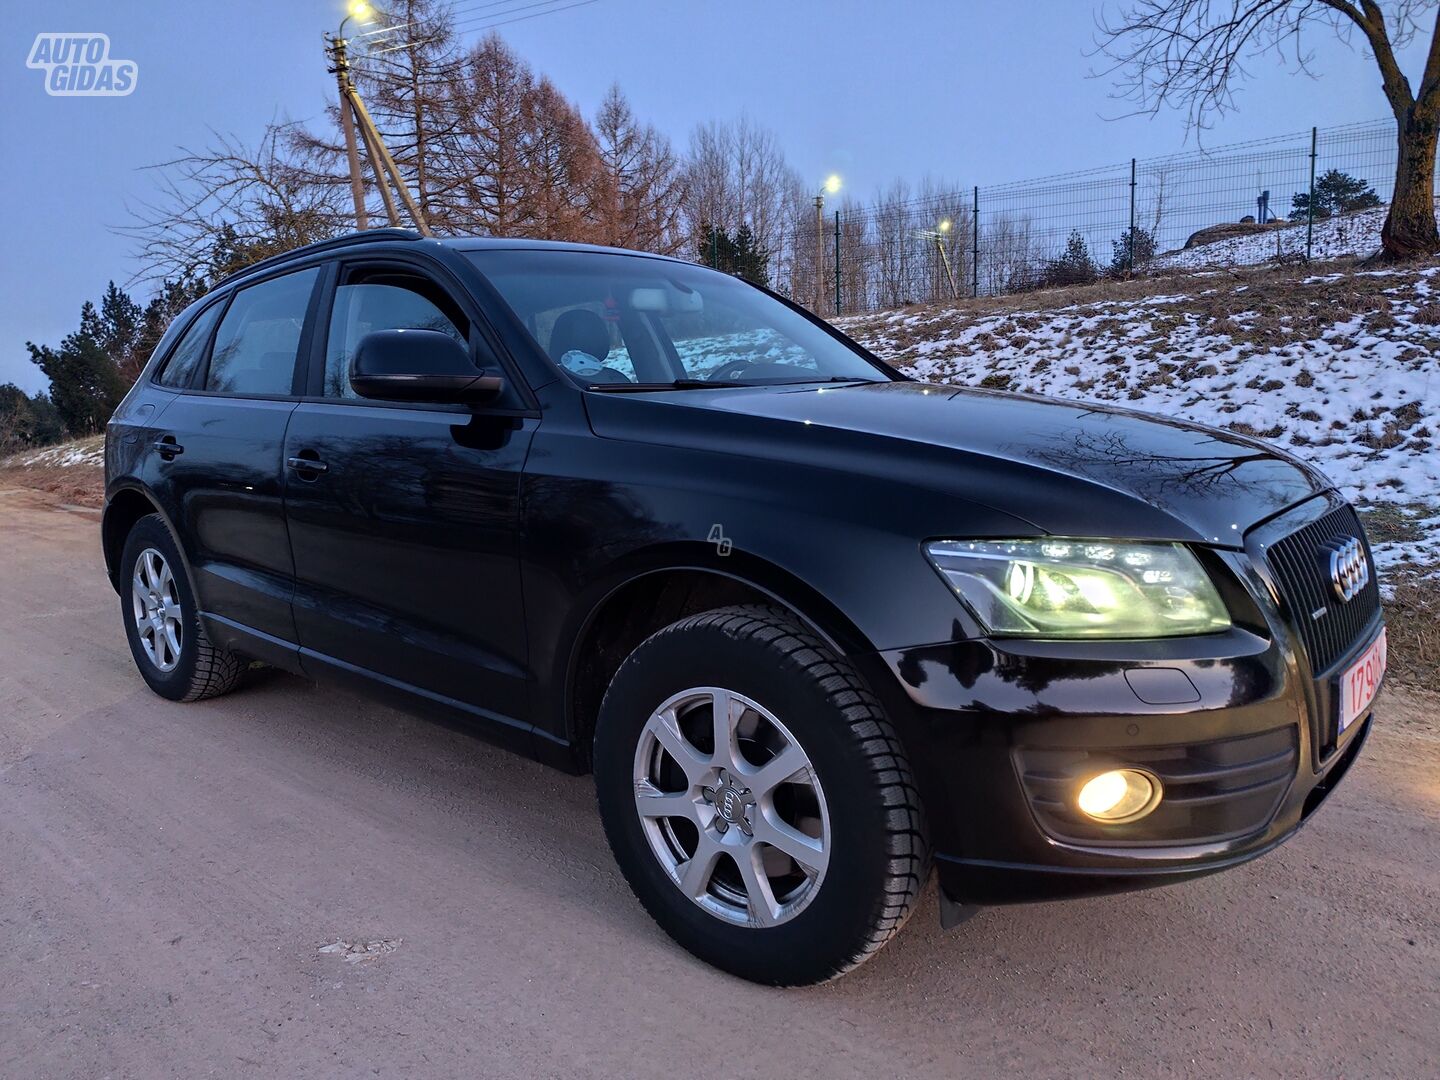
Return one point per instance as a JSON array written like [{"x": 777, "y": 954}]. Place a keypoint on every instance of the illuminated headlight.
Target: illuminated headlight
[{"x": 1081, "y": 588}]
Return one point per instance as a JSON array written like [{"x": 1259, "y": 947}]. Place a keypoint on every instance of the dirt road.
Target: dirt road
[{"x": 170, "y": 876}]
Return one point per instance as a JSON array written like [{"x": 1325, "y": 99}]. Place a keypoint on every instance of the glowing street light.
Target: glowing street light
[
  {"x": 938, "y": 234},
  {"x": 831, "y": 186}
]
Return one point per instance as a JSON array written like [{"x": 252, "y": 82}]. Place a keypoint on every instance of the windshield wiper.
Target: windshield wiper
[
  {"x": 678, "y": 384},
  {"x": 707, "y": 384}
]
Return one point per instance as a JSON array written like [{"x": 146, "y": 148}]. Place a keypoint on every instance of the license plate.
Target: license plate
[{"x": 1361, "y": 681}]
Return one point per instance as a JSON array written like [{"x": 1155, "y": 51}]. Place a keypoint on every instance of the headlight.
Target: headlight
[{"x": 1081, "y": 588}]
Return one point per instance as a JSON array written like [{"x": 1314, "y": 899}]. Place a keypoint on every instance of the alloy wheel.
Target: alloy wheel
[
  {"x": 155, "y": 604},
  {"x": 732, "y": 807}
]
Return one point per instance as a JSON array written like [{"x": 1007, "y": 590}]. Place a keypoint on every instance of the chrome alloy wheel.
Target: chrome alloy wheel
[
  {"x": 732, "y": 807},
  {"x": 155, "y": 604}
]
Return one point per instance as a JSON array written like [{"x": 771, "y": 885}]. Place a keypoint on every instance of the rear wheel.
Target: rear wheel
[
  {"x": 756, "y": 798},
  {"x": 171, "y": 649}
]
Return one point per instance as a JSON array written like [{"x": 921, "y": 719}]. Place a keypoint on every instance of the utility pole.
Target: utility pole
[
  {"x": 353, "y": 114},
  {"x": 837, "y": 262},
  {"x": 945, "y": 262},
  {"x": 819, "y": 251},
  {"x": 341, "y": 70}
]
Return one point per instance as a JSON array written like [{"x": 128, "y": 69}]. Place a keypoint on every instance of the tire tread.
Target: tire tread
[{"x": 878, "y": 744}]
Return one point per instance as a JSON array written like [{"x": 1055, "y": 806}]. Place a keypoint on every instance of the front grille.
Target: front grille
[
  {"x": 1213, "y": 791},
  {"x": 1300, "y": 564}
]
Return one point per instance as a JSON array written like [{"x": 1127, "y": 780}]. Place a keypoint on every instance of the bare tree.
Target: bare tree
[
  {"x": 894, "y": 248},
  {"x": 488, "y": 148},
  {"x": 562, "y": 169},
  {"x": 640, "y": 202},
  {"x": 736, "y": 174},
  {"x": 1190, "y": 53},
  {"x": 227, "y": 205}
]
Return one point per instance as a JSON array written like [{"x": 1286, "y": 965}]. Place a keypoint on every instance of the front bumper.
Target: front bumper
[{"x": 1238, "y": 729}]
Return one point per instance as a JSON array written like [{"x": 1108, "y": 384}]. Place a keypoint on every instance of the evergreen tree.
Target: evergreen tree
[
  {"x": 1073, "y": 267},
  {"x": 1132, "y": 251},
  {"x": 26, "y": 420},
  {"x": 1336, "y": 192},
  {"x": 752, "y": 262},
  {"x": 740, "y": 254},
  {"x": 85, "y": 384}
]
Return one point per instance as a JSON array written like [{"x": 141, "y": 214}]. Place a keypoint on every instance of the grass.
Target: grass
[
  {"x": 1412, "y": 617},
  {"x": 80, "y": 485}
]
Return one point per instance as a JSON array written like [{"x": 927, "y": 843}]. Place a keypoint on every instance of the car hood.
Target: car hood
[{"x": 1068, "y": 468}]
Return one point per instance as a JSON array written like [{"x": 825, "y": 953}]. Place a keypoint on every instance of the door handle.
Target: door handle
[
  {"x": 168, "y": 448},
  {"x": 307, "y": 464}
]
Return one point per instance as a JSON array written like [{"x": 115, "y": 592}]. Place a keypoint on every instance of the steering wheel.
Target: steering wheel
[{"x": 765, "y": 369}]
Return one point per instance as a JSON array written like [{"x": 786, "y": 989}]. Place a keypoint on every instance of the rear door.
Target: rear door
[
  {"x": 218, "y": 449},
  {"x": 404, "y": 518}
]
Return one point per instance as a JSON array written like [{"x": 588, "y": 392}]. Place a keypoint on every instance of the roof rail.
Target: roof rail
[{"x": 364, "y": 235}]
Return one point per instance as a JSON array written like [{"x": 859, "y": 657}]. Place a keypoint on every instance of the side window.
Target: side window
[
  {"x": 186, "y": 356},
  {"x": 259, "y": 337},
  {"x": 384, "y": 301}
]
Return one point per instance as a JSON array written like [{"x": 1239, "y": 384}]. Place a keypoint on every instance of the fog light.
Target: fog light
[{"x": 1119, "y": 795}]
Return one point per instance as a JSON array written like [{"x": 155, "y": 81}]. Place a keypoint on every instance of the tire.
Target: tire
[
  {"x": 855, "y": 856},
  {"x": 198, "y": 669}
]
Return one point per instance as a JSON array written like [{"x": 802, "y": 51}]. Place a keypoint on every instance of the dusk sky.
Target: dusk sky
[{"x": 978, "y": 93}]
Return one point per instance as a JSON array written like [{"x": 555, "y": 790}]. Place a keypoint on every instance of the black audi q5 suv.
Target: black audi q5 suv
[{"x": 816, "y": 628}]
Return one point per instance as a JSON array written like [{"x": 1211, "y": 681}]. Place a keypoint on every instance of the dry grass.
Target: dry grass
[
  {"x": 82, "y": 485},
  {"x": 1274, "y": 304},
  {"x": 1412, "y": 618}
]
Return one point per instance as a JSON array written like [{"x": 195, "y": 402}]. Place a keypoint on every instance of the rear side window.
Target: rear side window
[
  {"x": 186, "y": 357},
  {"x": 384, "y": 301},
  {"x": 256, "y": 345}
]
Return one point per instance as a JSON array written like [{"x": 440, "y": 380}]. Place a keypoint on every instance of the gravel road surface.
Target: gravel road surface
[{"x": 294, "y": 882}]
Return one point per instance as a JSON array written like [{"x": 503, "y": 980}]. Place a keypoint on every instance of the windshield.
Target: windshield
[{"x": 623, "y": 321}]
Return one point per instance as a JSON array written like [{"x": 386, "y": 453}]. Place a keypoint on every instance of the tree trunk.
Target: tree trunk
[{"x": 1410, "y": 230}]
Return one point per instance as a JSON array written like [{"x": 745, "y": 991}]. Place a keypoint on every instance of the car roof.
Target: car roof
[{"x": 369, "y": 237}]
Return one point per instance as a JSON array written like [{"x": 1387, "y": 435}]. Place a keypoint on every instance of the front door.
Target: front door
[{"x": 404, "y": 519}]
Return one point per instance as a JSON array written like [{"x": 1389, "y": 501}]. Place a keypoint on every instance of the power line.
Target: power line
[{"x": 546, "y": 4}]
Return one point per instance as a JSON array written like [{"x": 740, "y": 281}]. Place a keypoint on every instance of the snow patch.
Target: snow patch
[{"x": 1358, "y": 397}]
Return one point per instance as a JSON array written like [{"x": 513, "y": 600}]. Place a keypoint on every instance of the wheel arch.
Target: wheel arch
[
  {"x": 686, "y": 581},
  {"x": 123, "y": 509}
]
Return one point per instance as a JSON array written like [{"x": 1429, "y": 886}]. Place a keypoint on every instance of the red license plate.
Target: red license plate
[{"x": 1361, "y": 681}]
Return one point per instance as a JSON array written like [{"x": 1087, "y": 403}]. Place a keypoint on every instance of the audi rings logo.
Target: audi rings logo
[{"x": 1349, "y": 568}]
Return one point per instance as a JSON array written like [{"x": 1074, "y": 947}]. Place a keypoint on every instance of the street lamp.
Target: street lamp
[
  {"x": 938, "y": 235},
  {"x": 830, "y": 187},
  {"x": 358, "y": 10}
]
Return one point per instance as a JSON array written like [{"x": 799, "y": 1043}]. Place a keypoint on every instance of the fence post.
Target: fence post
[
  {"x": 1130, "y": 238},
  {"x": 837, "y": 262},
  {"x": 975, "y": 248},
  {"x": 1310, "y": 203}
]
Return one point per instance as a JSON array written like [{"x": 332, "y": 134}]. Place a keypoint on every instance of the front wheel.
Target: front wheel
[{"x": 756, "y": 798}]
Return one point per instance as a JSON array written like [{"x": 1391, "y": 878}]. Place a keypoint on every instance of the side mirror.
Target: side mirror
[{"x": 421, "y": 366}]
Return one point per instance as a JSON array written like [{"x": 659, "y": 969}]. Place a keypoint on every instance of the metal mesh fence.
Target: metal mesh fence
[{"x": 1248, "y": 202}]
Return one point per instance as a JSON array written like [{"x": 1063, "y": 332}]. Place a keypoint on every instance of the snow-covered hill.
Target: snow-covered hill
[
  {"x": 1341, "y": 369},
  {"x": 1342, "y": 235}
]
